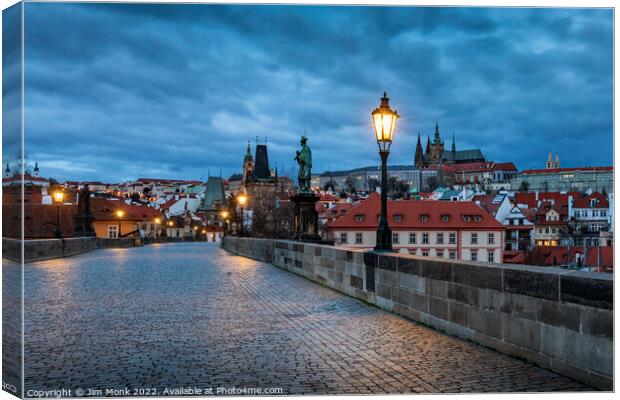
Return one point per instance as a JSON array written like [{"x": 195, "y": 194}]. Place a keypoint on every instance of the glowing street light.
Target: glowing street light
[
  {"x": 119, "y": 215},
  {"x": 242, "y": 200},
  {"x": 58, "y": 197},
  {"x": 384, "y": 121},
  {"x": 157, "y": 222}
]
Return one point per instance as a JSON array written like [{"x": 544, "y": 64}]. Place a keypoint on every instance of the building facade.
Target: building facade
[
  {"x": 598, "y": 179},
  {"x": 450, "y": 230}
]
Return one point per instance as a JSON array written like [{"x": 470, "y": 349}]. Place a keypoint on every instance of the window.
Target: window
[
  {"x": 445, "y": 218},
  {"x": 113, "y": 231},
  {"x": 412, "y": 238},
  {"x": 595, "y": 213},
  {"x": 477, "y": 218},
  {"x": 424, "y": 253},
  {"x": 395, "y": 237},
  {"x": 474, "y": 238},
  {"x": 490, "y": 257},
  {"x": 424, "y": 218},
  {"x": 440, "y": 238},
  {"x": 552, "y": 230},
  {"x": 453, "y": 255},
  {"x": 452, "y": 238},
  {"x": 398, "y": 218},
  {"x": 343, "y": 238},
  {"x": 359, "y": 218},
  {"x": 603, "y": 213},
  {"x": 359, "y": 238},
  {"x": 546, "y": 230},
  {"x": 425, "y": 238},
  {"x": 474, "y": 255},
  {"x": 467, "y": 218},
  {"x": 491, "y": 238}
]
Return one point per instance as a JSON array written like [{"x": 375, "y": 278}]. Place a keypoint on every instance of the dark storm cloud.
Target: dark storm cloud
[{"x": 117, "y": 91}]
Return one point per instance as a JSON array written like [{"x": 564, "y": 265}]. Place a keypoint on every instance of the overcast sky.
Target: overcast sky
[{"x": 115, "y": 92}]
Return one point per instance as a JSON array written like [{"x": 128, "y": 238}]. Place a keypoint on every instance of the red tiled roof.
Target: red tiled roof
[
  {"x": 336, "y": 211},
  {"x": 411, "y": 212},
  {"x": 584, "y": 201},
  {"x": 527, "y": 198},
  {"x": 105, "y": 210},
  {"x": 39, "y": 220},
  {"x": 486, "y": 203},
  {"x": 556, "y": 170},
  {"x": 329, "y": 198}
]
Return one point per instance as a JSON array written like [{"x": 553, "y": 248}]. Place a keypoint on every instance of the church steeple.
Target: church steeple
[
  {"x": 453, "y": 144},
  {"x": 419, "y": 154},
  {"x": 7, "y": 171},
  {"x": 436, "y": 139},
  {"x": 428, "y": 144}
]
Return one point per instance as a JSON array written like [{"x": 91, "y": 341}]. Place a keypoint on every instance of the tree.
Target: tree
[
  {"x": 349, "y": 185},
  {"x": 373, "y": 184},
  {"x": 330, "y": 186},
  {"x": 604, "y": 191},
  {"x": 524, "y": 187},
  {"x": 432, "y": 183},
  {"x": 272, "y": 217}
]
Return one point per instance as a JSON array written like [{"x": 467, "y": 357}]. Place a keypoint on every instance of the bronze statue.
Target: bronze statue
[{"x": 304, "y": 160}]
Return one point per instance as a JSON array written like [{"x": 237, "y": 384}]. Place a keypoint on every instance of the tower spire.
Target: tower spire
[
  {"x": 419, "y": 154},
  {"x": 453, "y": 143}
]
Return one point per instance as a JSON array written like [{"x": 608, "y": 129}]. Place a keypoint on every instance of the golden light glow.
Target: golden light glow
[
  {"x": 58, "y": 196},
  {"x": 224, "y": 214},
  {"x": 204, "y": 231},
  {"x": 195, "y": 228},
  {"x": 157, "y": 220},
  {"x": 120, "y": 213},
  {"x": 170, "y": 223},
  {"x": 242, "y": 199},
  {"x": 384, "y": 121}
]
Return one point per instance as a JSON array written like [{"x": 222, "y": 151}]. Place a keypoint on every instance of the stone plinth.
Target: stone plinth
[{"x": 306, "y": 222}]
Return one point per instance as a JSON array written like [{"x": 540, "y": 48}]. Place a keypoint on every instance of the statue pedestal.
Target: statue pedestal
[{"x": 306, "y": 222}]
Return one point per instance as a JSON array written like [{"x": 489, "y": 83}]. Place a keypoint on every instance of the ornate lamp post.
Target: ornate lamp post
[
  {"x": 157, "y": 222},
  {"x": 58, "y": 196},
  {"x": 119, "y": 214},
  {"x": 241, "y": 200},
  {"x": 384, "y": 120},
  {"x": 225, "y": 217}
]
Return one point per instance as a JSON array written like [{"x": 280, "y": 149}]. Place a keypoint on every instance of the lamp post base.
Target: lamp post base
[{"x": 384, "y": 238}]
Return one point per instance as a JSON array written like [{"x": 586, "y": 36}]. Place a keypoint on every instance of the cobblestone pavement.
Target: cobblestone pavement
[{"x": 191, "y": 315}]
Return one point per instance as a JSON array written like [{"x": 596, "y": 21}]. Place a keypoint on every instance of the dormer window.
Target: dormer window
[
  {"x": 359, "y": 218},
  {"x": 445, "y": 218},
  {"x": 477, "y": 218},
  {"x": 466, "y": 218},
  {"x": 424, "y": 218},
  {"x": 398, "y": 218}
]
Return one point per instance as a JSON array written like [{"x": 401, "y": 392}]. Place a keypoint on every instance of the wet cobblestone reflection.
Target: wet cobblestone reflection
[{"x": 192, "y": 315}]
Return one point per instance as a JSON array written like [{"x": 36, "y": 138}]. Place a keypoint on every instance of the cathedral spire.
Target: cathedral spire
[
  {"x": 419, "y": 154},
  {"x": 453, "y": 143},
  {"x": 436, "y": 139},
  {"x": 428, "y": 144}
]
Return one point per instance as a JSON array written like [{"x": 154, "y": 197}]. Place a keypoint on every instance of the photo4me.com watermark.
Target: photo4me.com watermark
[{"x": 168, "y": 391}]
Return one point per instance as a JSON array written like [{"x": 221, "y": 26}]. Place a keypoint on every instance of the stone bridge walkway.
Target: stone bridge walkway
[{"x": 191, "y": 315}]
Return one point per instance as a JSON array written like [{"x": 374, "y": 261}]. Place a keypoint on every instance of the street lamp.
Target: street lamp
[
  {"x": 157, "y": 222},
  {"x": 58, "y": 196},
  {"x": 225, "y": 217},
  {"x": 384, "y": 120},
  {"x": 241, "y": 200},
  {"x": 119, "y": 214}
]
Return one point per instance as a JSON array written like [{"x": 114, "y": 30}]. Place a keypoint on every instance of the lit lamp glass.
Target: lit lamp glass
[
  {"x": 120, "y": 213},
  {"x": 224, "y": 214},
  {"x": 58, "y": 196},
  {"x": 170, "y": 223},
  {"x": 157, "y": 221},
  {"x": 242, "y": 199},
  {"x": 384, "y": 120}
]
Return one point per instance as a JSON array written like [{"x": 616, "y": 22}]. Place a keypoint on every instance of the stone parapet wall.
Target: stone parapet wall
[
  {"x": 558, "y": 319},
  {"x": 46, "y": 249}
]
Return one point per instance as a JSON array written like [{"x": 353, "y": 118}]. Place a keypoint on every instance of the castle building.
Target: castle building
[
  {"x": 436, "y": 154},
  {"x": 553, "y": 164},
  {"x": 257, "y": 176}
]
